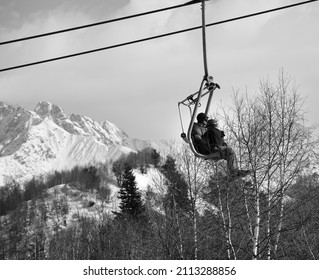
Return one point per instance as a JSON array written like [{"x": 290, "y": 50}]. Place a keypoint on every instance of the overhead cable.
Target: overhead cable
[
  {"x": 98, "y": 23},
  {"x": 154, "y": 37}
]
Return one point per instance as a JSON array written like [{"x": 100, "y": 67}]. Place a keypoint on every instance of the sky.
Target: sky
[{"x": 138, "y": 87}]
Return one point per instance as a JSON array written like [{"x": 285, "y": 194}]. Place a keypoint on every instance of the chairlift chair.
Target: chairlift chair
[{"x": 207, "y": 87}]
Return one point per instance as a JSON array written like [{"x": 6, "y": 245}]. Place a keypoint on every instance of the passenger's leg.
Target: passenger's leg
[{"x": 229, "y": 155}]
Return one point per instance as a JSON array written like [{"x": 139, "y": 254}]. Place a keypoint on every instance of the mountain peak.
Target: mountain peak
[
  {"x": 35, "y": 142},
  {"x": 45, "y": 108}
]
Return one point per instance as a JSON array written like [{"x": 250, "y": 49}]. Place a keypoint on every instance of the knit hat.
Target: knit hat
[{"x": 201, "y": 117}]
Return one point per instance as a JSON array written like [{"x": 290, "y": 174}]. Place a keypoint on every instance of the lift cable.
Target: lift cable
[
  {"x": 154, "y": 37},
  {"x": 98, "y": 23}
]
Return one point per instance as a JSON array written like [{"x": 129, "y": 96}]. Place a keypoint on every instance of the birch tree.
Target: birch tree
[{"x": 272, "y": 139}]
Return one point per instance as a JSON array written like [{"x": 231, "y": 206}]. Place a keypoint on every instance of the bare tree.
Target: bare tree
[{"x": 271, "y": 137}]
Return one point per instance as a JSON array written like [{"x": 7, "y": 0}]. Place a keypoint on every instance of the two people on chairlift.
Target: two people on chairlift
[{"x": 208, "y": 139}]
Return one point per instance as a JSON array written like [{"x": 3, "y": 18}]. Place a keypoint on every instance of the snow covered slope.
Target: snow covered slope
[{"x": 34, "y": 142}]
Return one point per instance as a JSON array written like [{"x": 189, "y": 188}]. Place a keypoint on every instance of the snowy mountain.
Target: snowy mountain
[{"x": 45, "y": 139}]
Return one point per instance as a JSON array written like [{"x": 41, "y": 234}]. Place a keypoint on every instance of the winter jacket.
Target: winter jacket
[
  {"x": 197, "y": 137},
  {"x": 215, "y": 138}
]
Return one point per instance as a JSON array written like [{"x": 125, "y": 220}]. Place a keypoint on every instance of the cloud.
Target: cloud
[{"x": 126, "y": 84}]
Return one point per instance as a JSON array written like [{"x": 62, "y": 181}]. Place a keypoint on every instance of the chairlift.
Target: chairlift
[{"x": 192, "y": 101}]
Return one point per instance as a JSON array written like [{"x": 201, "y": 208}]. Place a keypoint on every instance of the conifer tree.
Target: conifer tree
[
  {"x": 177, "y": 186},
  {"x": 177, "y": 207},
  {"x": 156, "y": 157},
  {"x": 131, "y": 203}
]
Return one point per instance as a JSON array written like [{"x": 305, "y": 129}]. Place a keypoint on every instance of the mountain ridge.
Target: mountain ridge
[{"x": 47, "y": 138}]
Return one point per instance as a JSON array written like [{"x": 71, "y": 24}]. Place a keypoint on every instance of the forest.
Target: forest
[{"x": 190, "y": 213}]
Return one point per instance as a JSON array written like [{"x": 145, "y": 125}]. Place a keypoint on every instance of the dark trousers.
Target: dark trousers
[{"x": 229, "y": 155}]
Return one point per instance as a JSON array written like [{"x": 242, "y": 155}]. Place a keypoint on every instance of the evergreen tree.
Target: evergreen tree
[
  {"x": 177, "y": 209},
  {"x": 131, "y": 203},
  {"x": 177, "y": 187},
  {"x": 156, "y": 158}
]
